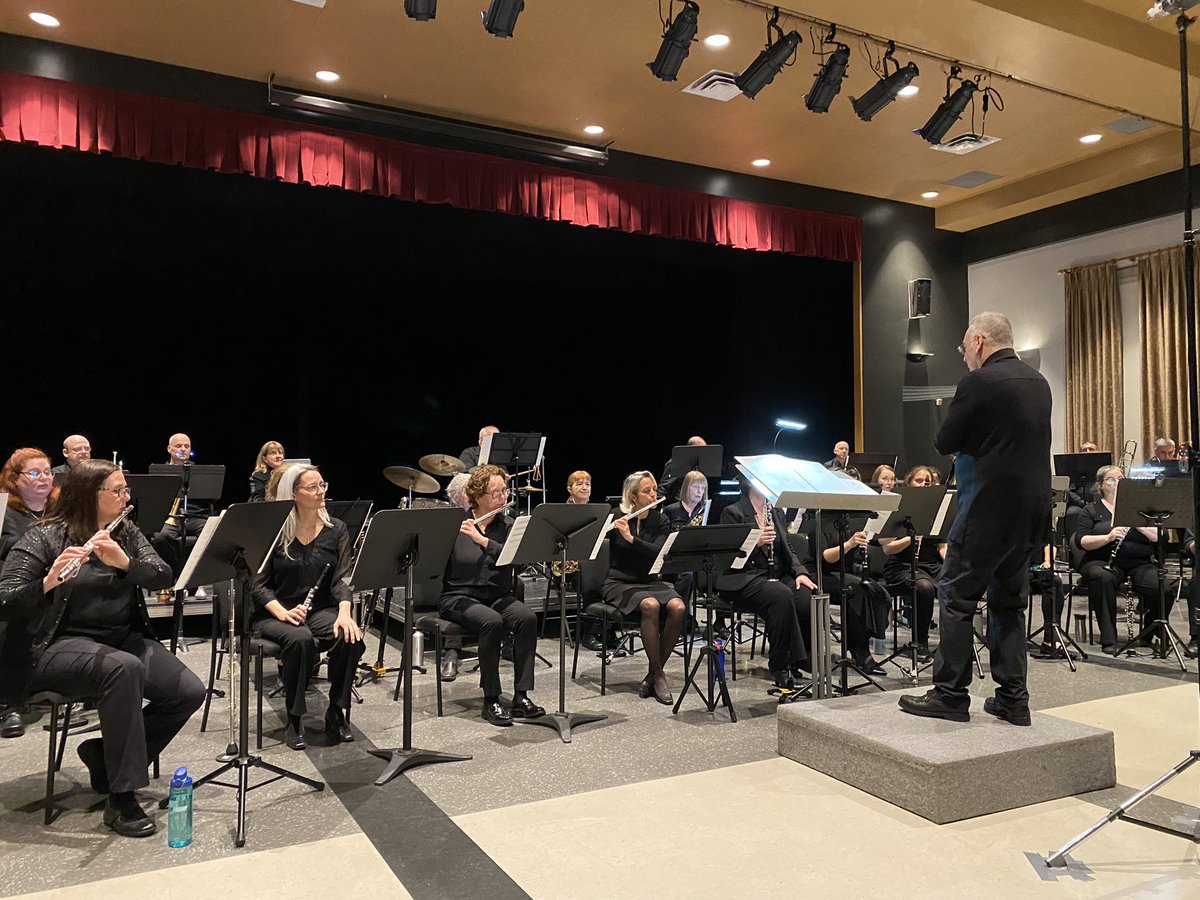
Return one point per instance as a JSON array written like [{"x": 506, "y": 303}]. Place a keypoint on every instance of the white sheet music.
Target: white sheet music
[
  {"x": 202, "y": 542},
  {"x": 941, "y": 513},
  {"x": 747, "y": 548},
  {"x": 513, "y": 543},
  {"x": 662, "y": 554},
  {"x": 3, "y": 505},
  {"x": 603, "y": 534},
  {"x": 707, "y": 507},
  {"x": 874, "y": 526}
]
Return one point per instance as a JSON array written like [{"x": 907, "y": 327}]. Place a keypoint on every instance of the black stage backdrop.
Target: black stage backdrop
[{"x": 364, "y": 332}]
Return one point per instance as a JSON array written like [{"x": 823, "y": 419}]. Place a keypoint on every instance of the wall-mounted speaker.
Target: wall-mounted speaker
[{"x": 920, "y": 297}]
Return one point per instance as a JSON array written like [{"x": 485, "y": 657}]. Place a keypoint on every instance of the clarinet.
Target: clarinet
[
  {"x": 768, "y": 514},
  {"x": 1115, "y": 550},
  {"x": 312, "y": 591}
]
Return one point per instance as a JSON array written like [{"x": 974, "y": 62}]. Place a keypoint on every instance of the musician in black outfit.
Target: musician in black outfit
[
  {"x": 689, "y": 508},
  {"x": 314, "y": 551},
  {"x": 634, "y": 544},
  {"x": 780, "y": 592},
  {"x": 470, "y": 456},
  {"x": 89, "y": 636},
  {"x": 166, "y": 542},
  {"x": 1103, "y": 573},
  {"x": 481, "y": 596},
  {"x": 998, "y": 424},
  {"x": 1193, "y": 598},
  {"x": 897, "y": 570},
  {"x": 269, "y": 458}
]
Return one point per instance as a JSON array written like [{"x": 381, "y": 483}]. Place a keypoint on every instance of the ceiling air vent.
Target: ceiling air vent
[
  {"x": 319, "y": 4},
  {"x": 1127, "y": 125},
  {"x": 715, "y": 85},
  {"x": 965, "y": 143},
  {"x": 971, "y": 179}
]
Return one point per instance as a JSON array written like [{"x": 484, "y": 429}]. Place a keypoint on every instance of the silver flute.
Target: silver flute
[{"x": 76, "y": 564}]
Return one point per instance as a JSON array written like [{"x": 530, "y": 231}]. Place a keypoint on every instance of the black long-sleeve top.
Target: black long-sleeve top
[
  {"x": 1096, "y": 519},
  {"x": 16, "y": 523},
  {"x": 258, "y": 485},
  {"x": 678, "y": 515},
  {"x": 100, "y": 598},
  {"x": 289, "y": 580},
  {"x": 472, "y": 570},
  {"x": 632, "y": 561},
  {"x": 786, "y": 561}
]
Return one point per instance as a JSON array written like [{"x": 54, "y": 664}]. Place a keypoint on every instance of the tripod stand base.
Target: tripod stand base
[
  {"x": 401, "y": 759},
  {"x": 1168, "y": 640},
  {"x": 563, "y": 722}
]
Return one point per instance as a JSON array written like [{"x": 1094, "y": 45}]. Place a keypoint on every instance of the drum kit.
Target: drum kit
[{"x": 416, "y": 481}]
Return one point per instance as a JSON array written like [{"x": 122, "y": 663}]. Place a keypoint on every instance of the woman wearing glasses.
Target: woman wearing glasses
[
  {"x": 29, "y": 483},
  {"x": 897, "y": 569},
  {"x": 313, "y": 557},
  {"x": 480, "y": 596},
  {"x": 269, "y": 458},
  {"x": 1103, "y": 570},
  {"x": 86, "y": 634}
]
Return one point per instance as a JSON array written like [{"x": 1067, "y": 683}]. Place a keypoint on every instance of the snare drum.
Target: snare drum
[{"x": 425, "y": 503}]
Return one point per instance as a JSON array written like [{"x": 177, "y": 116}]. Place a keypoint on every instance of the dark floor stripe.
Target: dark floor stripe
[{"x": 431, "y": 856}]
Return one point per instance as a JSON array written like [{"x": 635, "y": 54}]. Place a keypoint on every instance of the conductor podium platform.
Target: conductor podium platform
[{"x": 945, "y": 771}]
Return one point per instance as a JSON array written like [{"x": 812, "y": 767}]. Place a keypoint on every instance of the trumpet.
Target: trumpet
[
  {"x": 76, "y": 564},
  {"x": 173, "y": 515}
]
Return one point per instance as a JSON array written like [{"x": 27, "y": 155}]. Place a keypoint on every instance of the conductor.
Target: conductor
[{"x": 999, "y": 425}]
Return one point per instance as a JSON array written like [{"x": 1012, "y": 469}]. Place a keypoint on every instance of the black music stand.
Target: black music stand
[
  {"x": 1149, "y": 503},
  {"x": 233, "y": 548},
  {"x": 867, "y": 463},
  {"x": 1081, "y": 469},
  {"x": 710, "y": 549},
  {"x": 152, "y": 496},
  {"x": 560, "y": 531},
  {"x": 409, "y": 545},
  {"x": 915, "y": 515}
]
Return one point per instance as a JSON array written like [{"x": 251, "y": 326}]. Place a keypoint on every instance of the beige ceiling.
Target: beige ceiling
[{"x": 579, "y": 62}]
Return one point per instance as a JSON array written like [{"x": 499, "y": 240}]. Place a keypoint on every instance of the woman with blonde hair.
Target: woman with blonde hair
[{"x": 270, "y": 456}]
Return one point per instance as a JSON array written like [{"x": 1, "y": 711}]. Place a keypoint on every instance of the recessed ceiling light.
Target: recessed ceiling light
[
  {"x": 593, "y": 129},
  {"x": 45, "y": 19},
  {"x": 910, "y": 91},
  {"x": 761, "y": 163},
  {"x": 929, "y": 195},
  {"x": 717, "y": 41},
  {"x": 326, "y": 75},
  {"x": 1090, "y": 138}
]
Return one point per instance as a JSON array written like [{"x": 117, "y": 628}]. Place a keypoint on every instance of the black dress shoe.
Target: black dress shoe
[
  {"x": 294, "y": 737},
  {"x": 127, "y": 819},
  {"x": 1192, "y": 650},
  {"x": 1017, "y": 715},
  {"x": 646, "y": 688},
  {"x": 496, "y": 714},
  {"x": 783, "y": 679},
  {"x": 524, "y": 708},
  {"x": 591, "y": 642},
  {"x": 337, "y": 729},
  {"x": 92, "y": 754},
  {"x": 663, "y": 694},
  {"x": 933, "y": 706},
  {"x": 11, "y": 725},
  {"x": 870, "y": 667}
]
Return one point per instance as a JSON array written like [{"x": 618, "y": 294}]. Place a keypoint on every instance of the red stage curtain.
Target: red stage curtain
[{"x": 98, "y": 120}]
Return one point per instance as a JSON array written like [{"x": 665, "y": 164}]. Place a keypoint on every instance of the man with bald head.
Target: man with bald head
[
  {"x": 470, "y": 456},
  {"x": 167, "y": 541},
  {"x": 76, "y": 449},
  {"x": 841, "y": 457}
]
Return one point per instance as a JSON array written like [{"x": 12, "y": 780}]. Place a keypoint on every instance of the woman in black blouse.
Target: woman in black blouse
[
  {"x": 634, "y": 544},
  {"x": 28, "y": 481},
  {"x": 270, "y": 455},
  {"x": 689, "y": 508},
  {"x": 480, "y": 596},
  {"x": 1096, "y": 537},
  {"x": 897, "y": 572},
  {"x": 89, "y": 636},
  {"x": 314, "y": 551}
]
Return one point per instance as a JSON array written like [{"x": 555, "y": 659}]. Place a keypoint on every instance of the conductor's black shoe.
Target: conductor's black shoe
[
  {"x": 933, "y": 706},
  {"x": 1017, "y": 715},
  {"x": 524, "y": 708},
  {"x": 294, "y": 736},
  {"x": 592, "y": 642},
  {"x": 11, "y": 725},
  {"x": 496, "y": 714},
  {"x": 92, "y": 754},
  {"x": 1192, "y": 650},
  {"x": 126, "y": 818},
  {"x": 783, "y": 679},
  {"x": 337, "y": 729}
]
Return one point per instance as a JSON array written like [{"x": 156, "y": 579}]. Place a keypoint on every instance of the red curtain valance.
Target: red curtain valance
[{"x": 134, "y": 126}]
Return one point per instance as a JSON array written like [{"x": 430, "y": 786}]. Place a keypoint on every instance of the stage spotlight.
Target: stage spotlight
[
  {"x": 767, "y": 64},
  {"x": 828, "y": 81},
  {"x": 501, "y": 17},
  {"x": 421, "y": 10},
  {"x": 884, "y": 91},
  {"x": 948, "y": 113},
  {"x": 676, "y": 42}
]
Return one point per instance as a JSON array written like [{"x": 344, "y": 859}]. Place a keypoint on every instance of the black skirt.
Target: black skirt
[{"x": 625, "y": 593}]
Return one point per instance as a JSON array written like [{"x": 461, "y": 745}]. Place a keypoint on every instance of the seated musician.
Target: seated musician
[
  {"x": 689, "y": 508},
  {"x": 1103, "y": 570},
  {"x": 1193, "y": 597},
  {"x": 898, "y": 573},
  {"x": 470, "y": 456},
  {"x": 481, "y": 596},
  {"x": 89, "y": 636},
  {"x": 311, "y": 558},
  {"x": 270, "y": 455},
  {"x": 668, "y": 484},
  {"x": 76, "y": 448},
  {"x": 634, "y": 544},
  {"x": 178, "y": 535},
  {"x": 885, "y": 477},
  {"x": 773, "y": 584},
  {"x": 1044, "y": 581}
]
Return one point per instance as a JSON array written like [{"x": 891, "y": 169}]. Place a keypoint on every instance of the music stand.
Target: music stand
[
  {"x": 918, "y": 508},
  {"x": 232, "y": 547},
  {"x": 560, "y": 531},
  {"x": 867, "y": 463},
  {"x": 710, "y": 549},
  {"x": 1149, "y": 503},
  {"x": 152, "y": 496},
  {"x": 1081, "y": 468},
  {"x": 408, "y": 545}
]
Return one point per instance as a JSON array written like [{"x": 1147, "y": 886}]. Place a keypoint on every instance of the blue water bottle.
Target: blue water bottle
[
  {"x": 179, "y": 811},
  {"x": 718, "y": 646}
]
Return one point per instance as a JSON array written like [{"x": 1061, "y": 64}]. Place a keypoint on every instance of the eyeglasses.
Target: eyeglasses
[
  {"x": 35, "y": 474},
  {"x": 1111, "y": 480},
  {"x": 314, "y": 488},
  {"x": 123, "y": 491},
  {"x": 497, "y": 495}
]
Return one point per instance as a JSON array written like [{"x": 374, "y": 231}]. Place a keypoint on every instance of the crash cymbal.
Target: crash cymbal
[
  {"x": 442, "y": 464},
  {"x": 530, "y": 490},
  {"x": 411, "y": 479}
]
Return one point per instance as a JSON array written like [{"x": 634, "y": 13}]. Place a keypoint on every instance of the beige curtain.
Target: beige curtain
[
  {"x": 1165, "y": 369},
  {"x": 1095, "y": 404}
]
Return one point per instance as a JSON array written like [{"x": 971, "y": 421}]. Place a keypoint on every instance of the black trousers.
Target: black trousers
[
  {"x": 925, "y": 592},
  {"x": 969, "y": 573},
  {"x": 120, "y": 679},
  {"x": 1193, "y": 605},
  {"x": 1102, "y": 586},
  {"x": 490, "y": 621},
  {"x": 786, "y": 610},
  {"x": 166, "y": 543},
  {"x": 302, "y": 645},
  {"x": 853, "y": 605}
]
